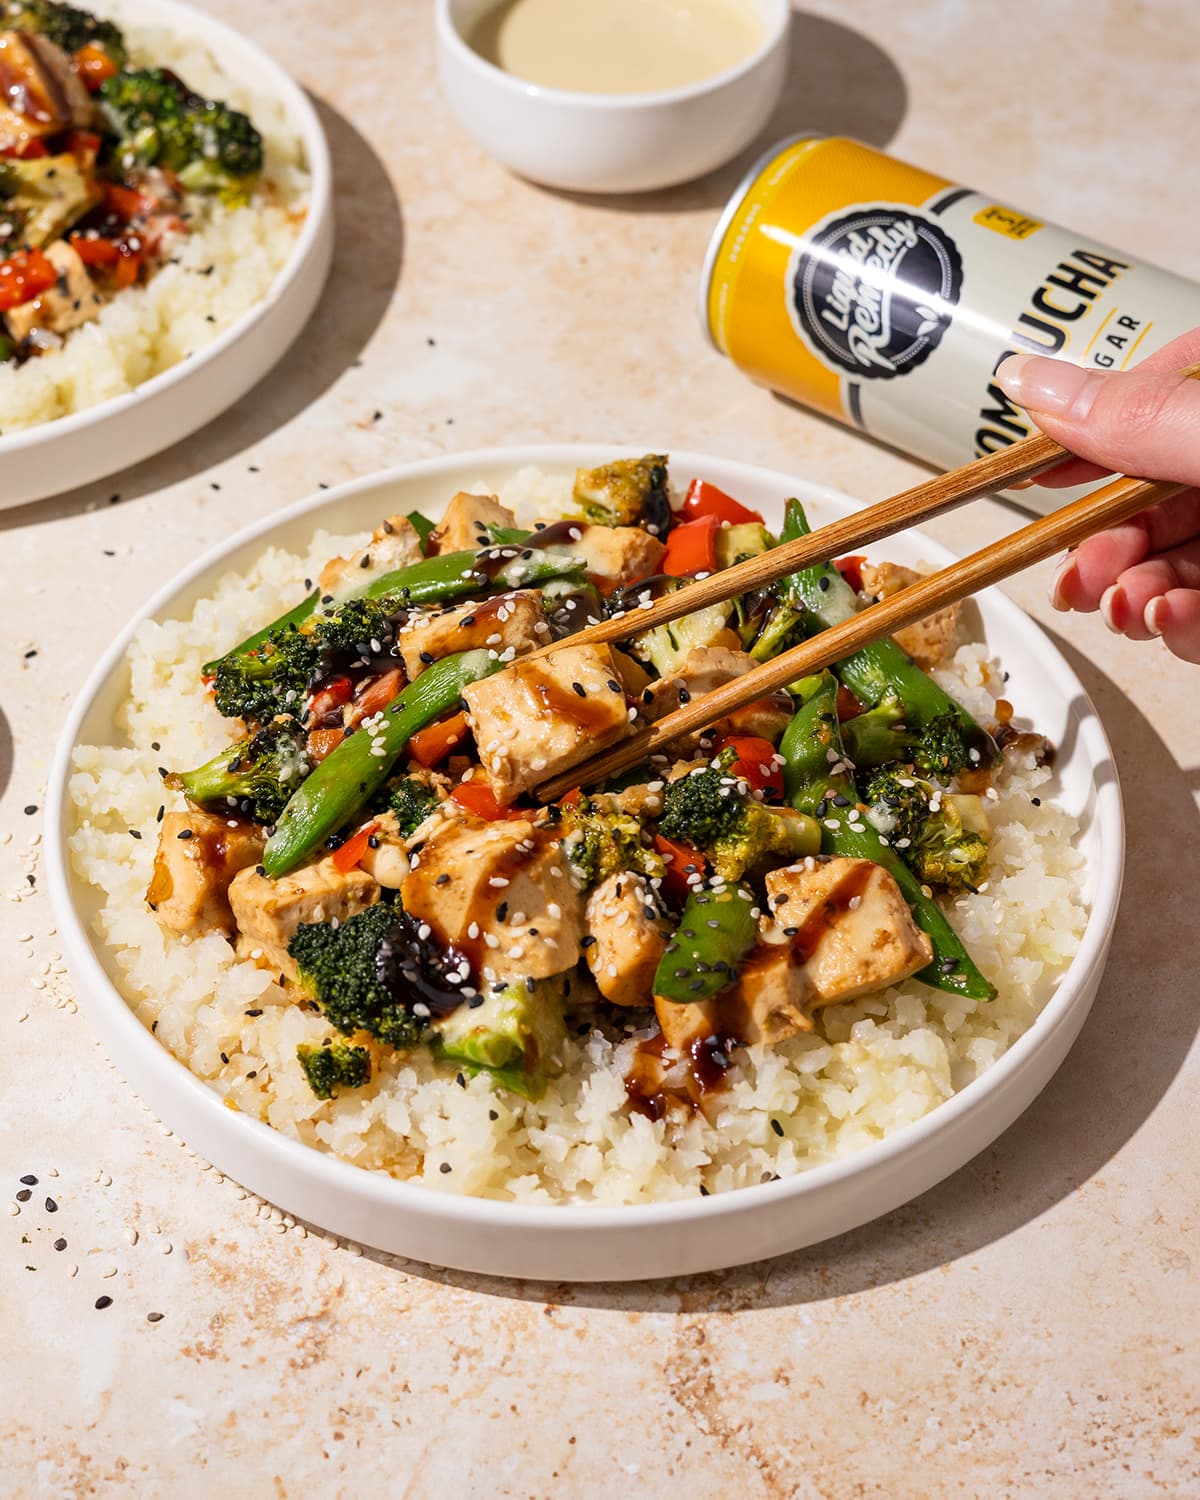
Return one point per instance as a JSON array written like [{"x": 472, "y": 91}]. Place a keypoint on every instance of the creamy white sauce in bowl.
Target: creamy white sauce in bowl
[{"x": 617, "y": 46}]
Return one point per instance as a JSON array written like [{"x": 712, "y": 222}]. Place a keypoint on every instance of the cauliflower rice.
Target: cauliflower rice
[
  {"x": 869, "y": 1068},
  {"x": 215, "y": 274}
]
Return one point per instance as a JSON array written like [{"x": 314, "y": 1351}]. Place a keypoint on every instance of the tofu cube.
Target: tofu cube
[
  {"x": 629, "y": 937},
  {"x": 394, "y": 544},
  {"x": 268, "y": 912},
  {"x": 500, "y": 894},
  {"x": 508, "y": 622},
  {"x": 618, "y": 555},
  {"x": 198, "y": 855},
  {"x": 463, "y": 527},
  {"x": 541, "y": 717},
  {"x": 848, "y": 924}
]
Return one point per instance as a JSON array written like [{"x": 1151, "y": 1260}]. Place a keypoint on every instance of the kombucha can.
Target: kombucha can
[{"x": 886, "y": 297}]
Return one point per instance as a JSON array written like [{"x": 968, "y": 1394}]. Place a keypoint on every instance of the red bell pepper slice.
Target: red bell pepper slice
[
  {"x": 680, "y": 860},
  {"x": 704, "y": 499},
  {"x": 347, "y": 855},
  {"x": 476, "y": 796},
  {"x": 334, "y": 694},
  {"x": 27, "y": 150},
  {"x": 755, "y": 764},
  {"x": 24, "y": 276},
  {"x": 430, "y": 746},
  {"x": 692, "y": 548},
  {"x": 851, "y": 570}
]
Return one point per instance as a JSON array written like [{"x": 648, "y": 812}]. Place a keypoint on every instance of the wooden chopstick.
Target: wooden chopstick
[
  {"x": 983, "y": 476},
  {"x": 1065, "y": 528}
]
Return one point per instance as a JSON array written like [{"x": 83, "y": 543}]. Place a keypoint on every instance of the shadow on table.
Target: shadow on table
[
  {"x": 366, "y": 268},
  {"x": 1130, "y": 1051},
  {"x": 839, "y": 82}
]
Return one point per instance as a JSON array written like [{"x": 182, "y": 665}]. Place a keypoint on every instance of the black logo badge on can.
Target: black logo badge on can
[{"x": 873, "y": 291}]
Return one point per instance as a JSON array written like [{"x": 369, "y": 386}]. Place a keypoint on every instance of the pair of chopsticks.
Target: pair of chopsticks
[{"x": 1065, "y": 528}]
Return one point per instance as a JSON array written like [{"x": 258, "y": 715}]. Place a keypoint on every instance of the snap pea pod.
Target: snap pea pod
[
  {"x": 346, "y": 780},
  {"x": 437, "y": 580},
  {"x": 807, "y": 744},
  {"x": 882, "y": 669},
  {"x": 715, "y": 933}
]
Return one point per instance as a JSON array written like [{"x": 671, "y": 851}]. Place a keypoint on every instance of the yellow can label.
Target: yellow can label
[{"x": 886, "y": 297}]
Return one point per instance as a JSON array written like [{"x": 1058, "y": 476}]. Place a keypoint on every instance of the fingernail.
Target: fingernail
[
  {"x": 1064, "y": 571},
  {"x": 1152, "y": 616},
  {"x": 1108, "y": 601},
  {"x": 1054, "y": 386}
]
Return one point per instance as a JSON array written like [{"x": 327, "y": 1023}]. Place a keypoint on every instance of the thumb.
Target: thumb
[{"x": 1142, "y": 422}]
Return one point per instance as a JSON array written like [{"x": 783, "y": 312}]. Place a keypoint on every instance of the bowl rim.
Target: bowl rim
[
  {"x": 452, "y": 40},
  {"x": 187, "y": 19},
  {"x": 376, "y": 1188}
]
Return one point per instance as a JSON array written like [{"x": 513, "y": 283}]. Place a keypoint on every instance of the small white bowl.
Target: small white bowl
[
  {"x": 97, "y": 440},
  {"x": 610, "y": 143},
  {"x": 591, "y": 1242}
]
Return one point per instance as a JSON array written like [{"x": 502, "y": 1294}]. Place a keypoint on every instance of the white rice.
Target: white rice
[
  {"x": 216, "y": 273},
  {"x": 868, "y": 1069}
]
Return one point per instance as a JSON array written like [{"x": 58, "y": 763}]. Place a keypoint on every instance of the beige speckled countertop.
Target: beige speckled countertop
[{"x": 1029, "y": 1328}]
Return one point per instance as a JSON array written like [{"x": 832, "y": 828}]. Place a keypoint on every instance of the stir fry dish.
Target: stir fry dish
[
  {"x": 372, "y": 835},
  {"x": 99, "y": 164}
]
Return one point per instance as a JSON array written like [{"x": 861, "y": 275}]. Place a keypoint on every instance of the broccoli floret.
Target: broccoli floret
[
  {"x": 275, "y": 676},
  {"x": 365, "y": 627},
  {"x": 881, "y": 736},
  {"x": 629, "y": 492},
  {"x": 336, "y": 1065},
  {"x": 67, "y": 27},
  {"x": 762, "y": 833},
  {"x": 599, "y": 842},
  {"x": 210, "y": 147},
  {"x": 412, "y": 802},
  {"x": 941, "y": 837},
  {"x": 375, "y": 973},
  {"x": 714, "y": 810},
  {"x": 703, "y": 806},
  {"x": 145, "y": 108},
  {"x": 225, "y": 151},
  {"x": 666, "y": 647},
  {"x": 512, "y": 1034},
  {"x": 255, "y": 777}
]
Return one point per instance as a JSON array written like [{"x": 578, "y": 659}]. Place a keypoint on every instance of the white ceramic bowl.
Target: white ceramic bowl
[
  {"x": 610, "y": 143},
  {"x": 117, "y": 434},
  {"x": 592, "y": 1243}
]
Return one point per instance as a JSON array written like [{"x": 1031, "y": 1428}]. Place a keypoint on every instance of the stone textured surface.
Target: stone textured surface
[{"x": 1028, "y": 1328}]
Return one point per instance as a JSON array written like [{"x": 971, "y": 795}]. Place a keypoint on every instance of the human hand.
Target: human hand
[{"x": 1144, "y": 575}]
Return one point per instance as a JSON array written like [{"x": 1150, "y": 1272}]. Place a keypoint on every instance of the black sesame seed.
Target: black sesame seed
[
  {"x": 253, "y": 1073},
  {"x": 823, "y": 583},
  {"x": 579, "y": 688},
  {"x": 24, "y": 1195},
  {"x": 776, "y": 1127},
  {"x": 426, "y": 657},
  {"x": 102, "y": 1303},
  {"x": 696, "y": 986},
  {"x": 257, "y": 1011},
  {"x": 474, "y": 1002},
  {"x": 158, "y": 816},
  {"x": 492, "y": 1115},
  {"x": 184, "y": 833},
  {"x": 30, "y": 654},
  {"x": 155, "y": 1317},
  {"x": 51, "y": 1206},
  {"x": 502, "y": 912},
  {"x": 614, "y": 687},
  {"x": 224, "y": 1057},
  {"x": 790, "y": 931},
  {"x": 443, "y": 879},
  {"x": 134, "y": 834},
  {"x": 29, "y": 1180},
  {"x": 60, "y": 1243},
  {"x": 703, "y": 1191},
  {"x": 587, "y": 942},
  {"x": 1037, "y": 801},
  {"x": 154, "y": 745},
  {"x": 30, "y": 809},
  {"x": 445, "y": 1167},
  {"x": 684, "y": 695}
]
